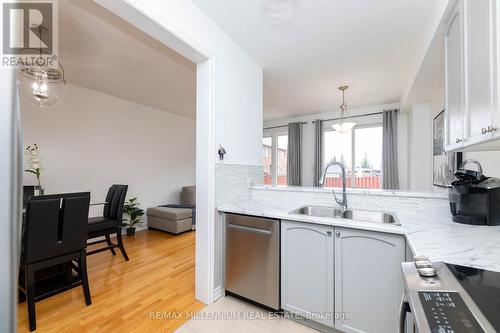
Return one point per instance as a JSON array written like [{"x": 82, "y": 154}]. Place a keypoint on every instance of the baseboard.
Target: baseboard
[{"x": 217, "y": 293}]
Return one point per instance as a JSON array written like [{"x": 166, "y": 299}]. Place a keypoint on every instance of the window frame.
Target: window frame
[
  {"x": 353, "y": 146},
  {"x": 274, "y": 134}
]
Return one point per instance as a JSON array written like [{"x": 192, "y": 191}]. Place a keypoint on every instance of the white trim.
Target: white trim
[
  {"x": 217, "y": 293},
  {"x": 171, "y": 35},
  {"x": 10, "y": 200}
]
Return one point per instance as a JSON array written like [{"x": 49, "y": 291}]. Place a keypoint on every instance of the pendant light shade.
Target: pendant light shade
[
  {"x": 41, "y": 84},
  {"x": 342, "y": 126}
]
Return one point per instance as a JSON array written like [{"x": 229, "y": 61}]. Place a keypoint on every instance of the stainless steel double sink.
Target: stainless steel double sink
[{"x": 349, "y": 214}]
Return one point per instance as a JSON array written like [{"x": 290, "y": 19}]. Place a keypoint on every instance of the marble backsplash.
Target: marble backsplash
[
  {"x": 233, "y": 183},
  {"x": 400, "y": 203}
]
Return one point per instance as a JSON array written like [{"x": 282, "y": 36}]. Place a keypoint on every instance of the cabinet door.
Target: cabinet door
[
  {"x": 307, "y": 271},
  {"x": 454, "y": 112},
  {"x": 479, "y": 87},
  {"x": 368, "y": 280}
]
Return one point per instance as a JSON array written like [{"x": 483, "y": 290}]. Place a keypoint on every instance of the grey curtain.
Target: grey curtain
[
  {"x": 390, "y": 150},
  {"x": 294, "y": 172},
  {"x": 318, "y": 151}
]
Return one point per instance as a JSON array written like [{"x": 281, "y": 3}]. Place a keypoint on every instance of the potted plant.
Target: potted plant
[
  {"x": 34, "y": 163},
  {"x": 134, "y": 212}
]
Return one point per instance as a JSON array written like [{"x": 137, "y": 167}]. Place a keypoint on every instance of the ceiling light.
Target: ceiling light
[
  {"x": 41, "y": 84},
  {"x": 342, "y": 126},
  {"x": 278, "y": 12}
]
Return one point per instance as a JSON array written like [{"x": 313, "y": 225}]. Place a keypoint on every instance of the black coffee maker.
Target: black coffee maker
[{"x": 474, "y": 198}]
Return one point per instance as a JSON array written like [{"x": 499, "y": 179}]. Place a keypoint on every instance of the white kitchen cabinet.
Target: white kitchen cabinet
[
  {"x": 479, "y": 83},
  {"x": 307, "y": 271},
  {"x": 471, "y": 74},
  {"x": 368, "y": 280},
  {"x": 454, "y": 79}
]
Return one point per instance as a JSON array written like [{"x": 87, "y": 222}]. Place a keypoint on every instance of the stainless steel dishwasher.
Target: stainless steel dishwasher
[{"x": 253, "y": 259}]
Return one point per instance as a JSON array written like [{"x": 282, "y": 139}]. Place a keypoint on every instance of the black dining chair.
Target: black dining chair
[
  {"x": 111, "y": 221},
  {"x": 55, "y": 234},
  {"x": 28, "y": 192}
]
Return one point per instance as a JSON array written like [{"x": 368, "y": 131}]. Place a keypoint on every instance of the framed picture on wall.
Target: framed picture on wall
[{"x": 444, "y": 164}]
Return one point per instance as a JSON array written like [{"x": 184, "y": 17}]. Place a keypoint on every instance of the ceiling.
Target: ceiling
[
  {"x": 310, "y": 47},
  {"x": 103, "y": 52}
]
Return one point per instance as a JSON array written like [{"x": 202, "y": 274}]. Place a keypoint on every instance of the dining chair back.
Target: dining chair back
[
  {"x": 111, "y": 223},
  {"x": 55, "y": 234},
  {"x": 115, "y": 200},
  {"x": 55, "y": 225}
]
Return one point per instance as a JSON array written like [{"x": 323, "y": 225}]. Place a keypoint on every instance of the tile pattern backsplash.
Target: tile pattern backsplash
[
  {"x": 396, "y": 204},
  {"x": 233, "y": 182}
]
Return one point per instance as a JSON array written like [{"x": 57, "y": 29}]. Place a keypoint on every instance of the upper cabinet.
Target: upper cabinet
[
  {"x": 454, "y": 79},
  {"x": 471, "y": 76}
]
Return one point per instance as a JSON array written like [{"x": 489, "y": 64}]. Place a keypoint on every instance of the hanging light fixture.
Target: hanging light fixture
[
  {"x": 342, "y": 126},
  {"x": 41, "y": 84},
  {"x": 41, "y": 77}
]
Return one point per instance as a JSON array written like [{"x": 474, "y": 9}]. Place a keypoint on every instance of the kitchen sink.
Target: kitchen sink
[{"x": 350, "y": 214}]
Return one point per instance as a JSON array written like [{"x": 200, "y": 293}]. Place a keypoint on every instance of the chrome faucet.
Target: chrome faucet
[{"x": 342, "y": 202}]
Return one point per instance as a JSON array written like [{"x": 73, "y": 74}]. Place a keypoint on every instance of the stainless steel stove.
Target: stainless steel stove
[{"x": 446, "y": 298}]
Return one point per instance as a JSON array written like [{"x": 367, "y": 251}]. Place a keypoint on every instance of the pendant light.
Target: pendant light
[
  {"x": 342, "y": 126},
  {"x": 40, "y": 82}
]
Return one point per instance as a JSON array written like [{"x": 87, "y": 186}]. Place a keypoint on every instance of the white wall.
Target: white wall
[
  {"x": 238, "y": 78},
  {"x": 420, "y": 147},
  {"x": 308, "y": 136},
  {"x": 89, "y": 140}
]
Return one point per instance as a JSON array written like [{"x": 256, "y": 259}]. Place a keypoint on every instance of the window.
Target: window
[
  {"x": 361, "y": 152},
  {"x": 282, "y": 161},
  {"x": 267, "y": 146},
  {"x": 275, "y": 159}
]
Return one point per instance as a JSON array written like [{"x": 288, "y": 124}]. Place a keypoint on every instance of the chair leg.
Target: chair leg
[
  {"x": 30, "y": 291},
  {"x": 120, "y": 243},
  {"x": 108, "y": 240},
  {"x": 21, "y": 281},
  {"x": 85, "y": 279}
]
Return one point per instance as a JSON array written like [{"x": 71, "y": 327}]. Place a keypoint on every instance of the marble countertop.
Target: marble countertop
[{"x": 427, "y": 234}]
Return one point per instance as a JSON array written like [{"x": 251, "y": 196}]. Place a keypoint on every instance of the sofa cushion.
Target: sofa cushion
[
  {"x": 172, "y": 214},
  {"x": 188, "y": 195}
]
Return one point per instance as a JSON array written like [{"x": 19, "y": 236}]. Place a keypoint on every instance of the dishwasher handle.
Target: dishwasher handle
[
  {"x": 265, "y": 232},
  {"x": 403, "y": 310}
]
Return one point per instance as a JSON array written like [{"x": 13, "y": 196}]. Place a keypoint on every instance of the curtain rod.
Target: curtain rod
[
  {"x": 355, "y": 116},
  {"x": 338, "y": 118},
  {"x": 272, "y": 127}
]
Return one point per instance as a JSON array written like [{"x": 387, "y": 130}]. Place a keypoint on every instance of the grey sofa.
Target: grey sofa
[{"x": 175, "y": 218}]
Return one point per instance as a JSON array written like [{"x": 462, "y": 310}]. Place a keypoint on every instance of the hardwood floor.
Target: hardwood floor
[{"x": 126, "y": 295}]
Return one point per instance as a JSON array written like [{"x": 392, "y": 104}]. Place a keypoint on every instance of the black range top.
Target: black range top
[{"x": 484, "y": 289}]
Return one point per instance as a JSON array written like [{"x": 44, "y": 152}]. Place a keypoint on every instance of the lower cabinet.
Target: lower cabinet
[
  {"x": 343, "y": 278},
  {"x": 307, "y": 271},
  {"x": 368, "y": 280}
]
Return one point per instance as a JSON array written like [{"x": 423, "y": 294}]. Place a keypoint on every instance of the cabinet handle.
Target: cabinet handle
[
  {"x": 458, "y": 140},
  {"x": 484, "y": 130},
  {"x": 491, "y": 129},
  {"x": 329, "y": 233},
  {"x": 337, "y": 234}
]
